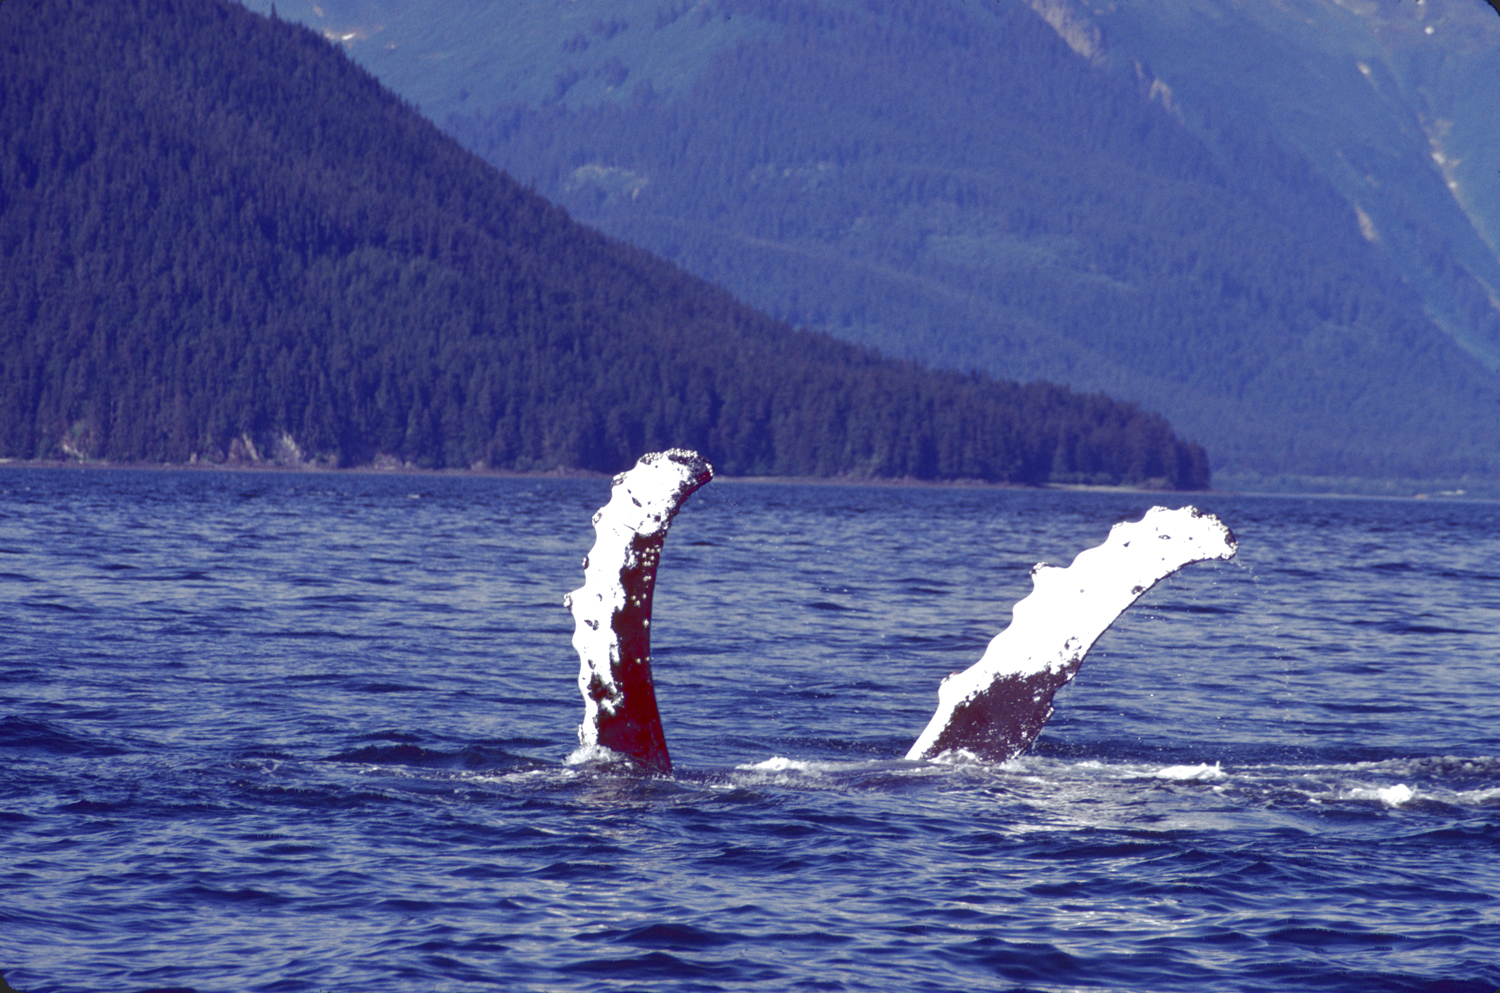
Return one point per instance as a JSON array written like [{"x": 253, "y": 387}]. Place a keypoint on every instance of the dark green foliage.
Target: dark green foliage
[{"x": 220, "y": 239}]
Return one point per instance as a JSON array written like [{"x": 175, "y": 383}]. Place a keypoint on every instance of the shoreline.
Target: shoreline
[
  {"x": 1416, "y": 490},
  {"x": 410, "y": 470}
]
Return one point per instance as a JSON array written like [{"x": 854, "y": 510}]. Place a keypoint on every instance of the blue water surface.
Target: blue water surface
[{"x": 309, "y": 732}]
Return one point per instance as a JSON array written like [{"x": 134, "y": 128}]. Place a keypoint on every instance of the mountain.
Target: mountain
[
  {"x": 1392, "y": 102},
  {"x": 1005, "y": 186},
  {"x": 222, "y": 240}
]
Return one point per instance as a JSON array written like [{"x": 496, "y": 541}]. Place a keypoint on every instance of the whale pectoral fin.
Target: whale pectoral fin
[
  {"x": 1002, "y": 718},
  {"x": 612, "y": 610},
  {"x": 996, "y": 708}
]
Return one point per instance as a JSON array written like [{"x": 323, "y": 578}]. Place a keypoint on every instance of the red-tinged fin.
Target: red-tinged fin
[{"x": 612, "y": 610}]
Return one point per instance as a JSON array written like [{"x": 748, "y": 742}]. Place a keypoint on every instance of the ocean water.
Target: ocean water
[{"x": 310, "y": 732}]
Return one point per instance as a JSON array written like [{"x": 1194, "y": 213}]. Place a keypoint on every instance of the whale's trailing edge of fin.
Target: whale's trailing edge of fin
[
  {"x": 996, "y": 708},
  {"x": 612, "y": 610}
]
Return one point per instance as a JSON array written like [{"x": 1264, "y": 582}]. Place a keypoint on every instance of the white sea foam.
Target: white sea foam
[
  {"x": 594, "y": 754},
  {"x": 1391, "y": 796},
  {"x": 1478, "y": 798},
  {"x": 1201, "y": 772},
  {"x": 962, "y": 756},
  {"x": 1396, "y": 795},
  {"x": 779, "y": 763}
]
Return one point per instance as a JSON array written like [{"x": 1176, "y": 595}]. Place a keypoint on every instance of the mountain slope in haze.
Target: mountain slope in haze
[
  {"x": 1395, "y": 103},
  {"x": 954, "y": 182},
  {"x": 220, "y": 239}
]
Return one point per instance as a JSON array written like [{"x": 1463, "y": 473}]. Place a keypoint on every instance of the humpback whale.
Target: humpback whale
[
  {"x": 612, "y": 610},
  {"x": 993, "y": 710}
]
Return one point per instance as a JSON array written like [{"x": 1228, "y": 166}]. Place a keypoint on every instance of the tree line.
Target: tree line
[{"x": 220, "y": 239}]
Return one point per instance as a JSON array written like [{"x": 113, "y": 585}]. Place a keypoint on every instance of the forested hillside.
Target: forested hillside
[
  {"x": 222, "y": 240},
  {"x": 950, "y": 181}
]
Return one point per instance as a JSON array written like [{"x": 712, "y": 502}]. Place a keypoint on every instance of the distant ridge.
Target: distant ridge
[
  {"x": 951, "y": 181},
  {"x": 220, "y": 240}
]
